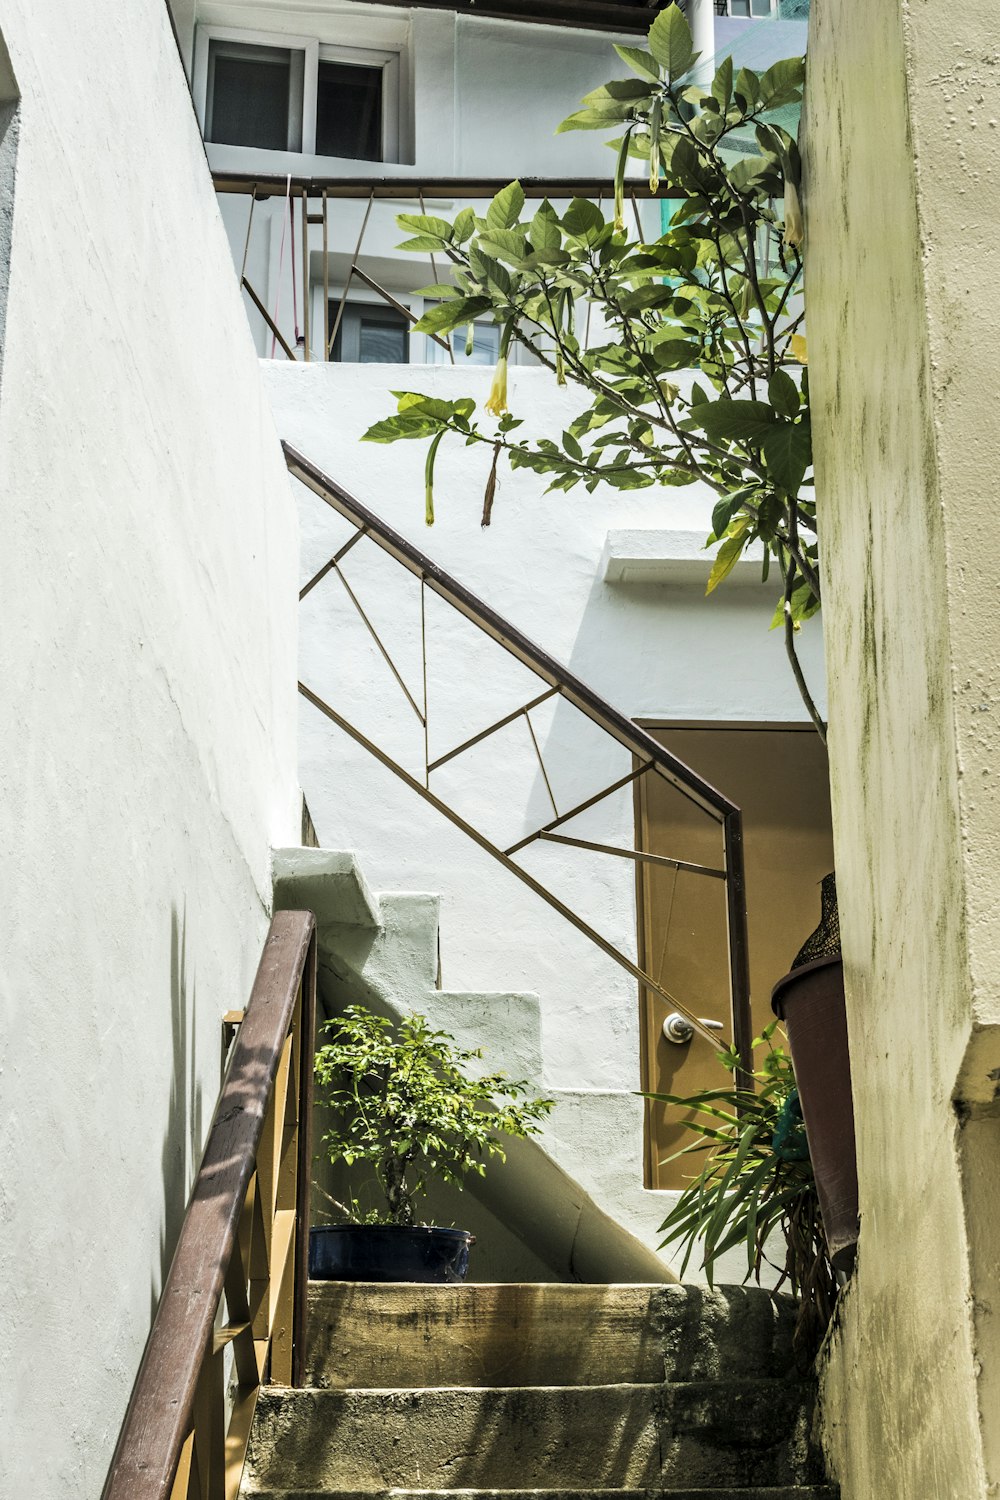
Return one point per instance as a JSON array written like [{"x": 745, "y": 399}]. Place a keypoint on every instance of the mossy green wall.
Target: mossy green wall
[{"x": 903, "y": 201}]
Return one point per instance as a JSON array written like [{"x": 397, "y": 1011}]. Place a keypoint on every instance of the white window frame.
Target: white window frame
[
  {"x": 314, "y": 51},
  {"x": 309, "y": 46},
  {"x": 370, "y": 57}
]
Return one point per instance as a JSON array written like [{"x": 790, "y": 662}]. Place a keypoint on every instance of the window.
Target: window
[
  {"x": 485, "y": 346},
  {"x": 371, "y": 334},
  {"x": 254, "y": 96},
  {"x": 750, "y": 8},
  {"x": 349, "y": 111},
  {"x": 275, "y": 92}
]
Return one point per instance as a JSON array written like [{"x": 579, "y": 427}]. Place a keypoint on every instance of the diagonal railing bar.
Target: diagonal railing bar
[
  {"x": 354, "y": 260},
  {"x": 541, "y": 762},
  {"x": 484, "y": 734},
  {"x": 638, "y": 855},
  {"x": 334, "y": 560},
  {"x": 242, "y": 1246},
  {"x": 581, "y": 807},
  {"x": 491, "y": 848},
  {"x": 401, "y": 307},
  {"x": 648, "y": 754},
  {"x": 272, "y": 325},
  {"x": 378, "y": 641}
]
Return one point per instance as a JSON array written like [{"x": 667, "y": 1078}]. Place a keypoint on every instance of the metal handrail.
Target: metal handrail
[
  {"x": 398, "y": 185},
  {"x": 322, "y": 191},
  {"x": 245, "y": 1238},
  {"x": 649, "y": 754}
]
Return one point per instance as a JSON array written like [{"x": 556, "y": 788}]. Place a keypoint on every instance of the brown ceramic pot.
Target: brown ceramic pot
[{"x": 810, "y": 1003}]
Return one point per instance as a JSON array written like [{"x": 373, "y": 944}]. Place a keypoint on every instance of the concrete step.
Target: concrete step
[
  {"x": 397, "y": 1336},
  {"x": 700, "y": 1433},
  {"x": 786, "y": 1492}
]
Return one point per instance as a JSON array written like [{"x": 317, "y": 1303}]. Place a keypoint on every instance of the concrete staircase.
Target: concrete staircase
[{"x": 541, "y": 1392}]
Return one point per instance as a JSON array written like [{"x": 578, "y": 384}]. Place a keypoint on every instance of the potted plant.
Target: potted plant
[
  {"x": 756, "y": 1186},
  {"x": 402, "y": 1099}
]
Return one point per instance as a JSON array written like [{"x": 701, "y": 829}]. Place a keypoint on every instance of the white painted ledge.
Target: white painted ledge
[{"x": 678, "y": 557}]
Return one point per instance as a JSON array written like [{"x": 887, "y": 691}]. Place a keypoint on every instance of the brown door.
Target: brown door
[{"x": 779, "y": 778}]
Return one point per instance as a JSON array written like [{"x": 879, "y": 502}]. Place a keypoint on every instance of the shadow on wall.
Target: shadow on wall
[
  {"x": 10, "y": 122},
  {"x": 183, "y": 1135}
]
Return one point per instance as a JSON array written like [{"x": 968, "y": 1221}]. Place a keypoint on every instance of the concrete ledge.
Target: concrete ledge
[
  {"x": 677, "y": 557},
  {"x": 327, "y": 882}
]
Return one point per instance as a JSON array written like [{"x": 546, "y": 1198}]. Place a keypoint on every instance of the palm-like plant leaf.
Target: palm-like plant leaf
[{"x": 748, "y": 1191}]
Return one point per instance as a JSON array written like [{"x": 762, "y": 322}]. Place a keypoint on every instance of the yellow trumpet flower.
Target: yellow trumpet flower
[
  {"x": 496, "y": 403},
  {"x": 795, "y": 231}
]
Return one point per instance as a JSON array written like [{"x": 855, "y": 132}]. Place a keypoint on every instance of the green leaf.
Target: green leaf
[
  {"x": 440, "y": 291},
  {"x": 726, "y": 508},
  {"x": 722, "y": 83},
  {"x": 465, "y": 225},
  {"x": 783, "y": 393},
  {"x": 544, "y": 232},
  {"x": 583, "y": 220},
  {"x": 617, "y": 91},
  {"x": 504, "y": 244},
  {"x": 420, "y": 242},
  {"x": 434, "y": 407},
  {"x": 788, "y": 453},
  {"x": 427, "y": 225},
  {"x": 670, "y": 42},
  {"x": 747, "y": 87},
  {"x": 391, "y": 429},
  {"x": 448, "y": 315},
  {"x": 734, "y": 421},
  {"x": 781, "y": 83},
  {"x": 729, "y": 553},
  {"x": 595, "y": 119},
  {"x": 639, "y": 61},
  {"x": 505, "y": 210},
  {"x": 802, "y": 605}
]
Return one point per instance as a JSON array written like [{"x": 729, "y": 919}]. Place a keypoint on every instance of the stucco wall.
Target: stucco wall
[
  {"x": 655, "y": 650},
  {"x": 148, "y": 553},
  {"x": 903, "y": 195}
]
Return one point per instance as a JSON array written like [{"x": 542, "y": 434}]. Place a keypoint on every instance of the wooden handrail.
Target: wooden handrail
[{"x": 244, "y": 1243}]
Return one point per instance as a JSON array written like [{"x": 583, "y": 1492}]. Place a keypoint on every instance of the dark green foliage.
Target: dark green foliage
[{"x": 755, "y": 1185}]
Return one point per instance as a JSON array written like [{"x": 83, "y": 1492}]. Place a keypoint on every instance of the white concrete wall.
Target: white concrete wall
[
  {"x": 654, "y": 651},
  {"x": 481, "y": 98},
  {"x": 148, "y": 552}
]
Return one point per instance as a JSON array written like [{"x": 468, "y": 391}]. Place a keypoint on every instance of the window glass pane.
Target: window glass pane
[
  {"x": 371, "y": 335},
  {"x": 249, "y": 95},
  {"x": 760, "y": 7},
  {"x": 382, "y": 343},
  {"x": 349, "y": 111},
  {"x": 485, "y": 346}
]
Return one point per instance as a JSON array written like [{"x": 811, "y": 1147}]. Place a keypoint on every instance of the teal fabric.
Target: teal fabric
[{"x": 789, "y": 1141}]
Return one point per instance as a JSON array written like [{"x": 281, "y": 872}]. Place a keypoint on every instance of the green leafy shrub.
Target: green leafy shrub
[
  {"x": 756, "y": 1186},
  {"x": 402, "y": 1100}
]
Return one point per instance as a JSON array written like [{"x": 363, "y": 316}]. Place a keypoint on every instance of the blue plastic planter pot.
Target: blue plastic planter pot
[{"x": 388, "y": 1252}]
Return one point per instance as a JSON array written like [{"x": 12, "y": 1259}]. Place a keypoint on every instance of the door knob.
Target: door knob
[{"x": 678, "y": 1029}]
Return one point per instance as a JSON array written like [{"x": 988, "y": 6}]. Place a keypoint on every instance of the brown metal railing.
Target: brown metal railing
[
  {"x": 242, "y": 1252},
  {"x": 648, "y": 755},
  {"x": 309, "y": 201}
]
